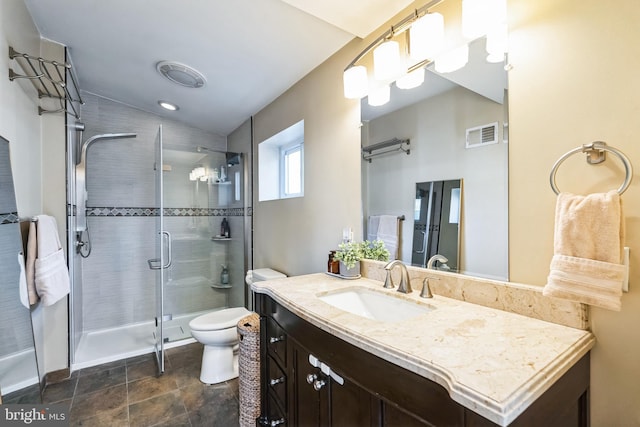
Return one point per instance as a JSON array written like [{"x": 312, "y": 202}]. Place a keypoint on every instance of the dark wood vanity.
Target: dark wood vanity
[{"x": 375, "y": 392}]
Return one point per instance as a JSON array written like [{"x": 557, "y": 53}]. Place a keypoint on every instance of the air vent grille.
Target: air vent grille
[{"x": 482, "y": 135}]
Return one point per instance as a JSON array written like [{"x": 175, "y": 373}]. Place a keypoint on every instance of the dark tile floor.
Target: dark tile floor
[{"x": 129, "y": 393}]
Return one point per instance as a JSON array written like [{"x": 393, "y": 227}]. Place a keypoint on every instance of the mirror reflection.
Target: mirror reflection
[
  {"x": 19, "y": 381},
  {"x": 456, "y": 125},
  {"x": 435, "y": 224}
]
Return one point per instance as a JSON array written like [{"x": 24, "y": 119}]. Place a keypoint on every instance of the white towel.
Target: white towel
[
  {"x": 372, "y": 227},
  {"x": 22, "y": 281},
  {"x": 388, "y": 233},
  {"x": 51, "y": 273},
  {"x": 588, "y": 239}
]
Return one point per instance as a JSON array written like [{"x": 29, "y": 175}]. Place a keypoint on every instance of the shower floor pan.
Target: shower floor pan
[{"x": 108, "y": 345}]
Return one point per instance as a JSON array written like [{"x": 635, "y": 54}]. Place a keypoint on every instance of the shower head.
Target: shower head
[{"x": 88, "y": 142}]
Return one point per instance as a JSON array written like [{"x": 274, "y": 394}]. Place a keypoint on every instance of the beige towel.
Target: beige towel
[
  {"x": 588, "y": 246},
  {"x": 30, "y": 267}
]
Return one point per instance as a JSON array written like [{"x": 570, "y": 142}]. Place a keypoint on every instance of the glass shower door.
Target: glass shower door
[{"x": 162, "y": 261}]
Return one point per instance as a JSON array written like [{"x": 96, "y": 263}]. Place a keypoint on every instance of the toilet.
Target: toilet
[{"x": 218, "y": 332}]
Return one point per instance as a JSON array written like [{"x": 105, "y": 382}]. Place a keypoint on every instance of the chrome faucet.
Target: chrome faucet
[
  {"x": 426, "y": 289},
  {"x": 433, "y": 259},
  {"x": 405, "y": 281}
]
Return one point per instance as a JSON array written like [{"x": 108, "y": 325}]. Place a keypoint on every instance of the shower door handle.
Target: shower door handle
[
  {"x": 168, "y": 236},
  {"x": 424, "y": 243},
  {"x": 154, "y": 263}
]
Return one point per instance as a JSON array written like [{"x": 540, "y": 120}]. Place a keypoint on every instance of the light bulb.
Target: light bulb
[
  {"x": 411, "y": 80},
  {"x": 386, "y": 61},
  {"x": 379, "y": 96},
  {"x": 426, "y": 37},
  {"x": 356, "y": 83},
  {"x": 452, "y": 60}
]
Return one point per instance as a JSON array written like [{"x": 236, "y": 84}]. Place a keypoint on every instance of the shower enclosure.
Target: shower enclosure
[{"x": 151, "y": 256}]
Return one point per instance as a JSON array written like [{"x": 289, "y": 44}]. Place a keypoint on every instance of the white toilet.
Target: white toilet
[{"x": 219, "y": 334}]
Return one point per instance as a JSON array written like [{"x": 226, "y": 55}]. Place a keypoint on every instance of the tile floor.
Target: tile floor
[{"x": 129, "y": 393}]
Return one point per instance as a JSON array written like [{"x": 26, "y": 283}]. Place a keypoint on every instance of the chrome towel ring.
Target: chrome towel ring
[{"x": 595, "y": 154}]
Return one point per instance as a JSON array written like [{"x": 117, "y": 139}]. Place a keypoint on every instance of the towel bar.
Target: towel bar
[{"x": 595, "y": 154}]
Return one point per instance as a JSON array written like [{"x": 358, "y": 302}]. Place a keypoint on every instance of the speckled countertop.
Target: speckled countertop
[{"x": 493, "y": 362}]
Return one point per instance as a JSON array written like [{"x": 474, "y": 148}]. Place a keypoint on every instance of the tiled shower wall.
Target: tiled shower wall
[{"x": 117, "y": 287}]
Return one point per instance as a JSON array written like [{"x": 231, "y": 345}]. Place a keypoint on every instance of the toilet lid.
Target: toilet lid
[{"x": 221, "y": 319}]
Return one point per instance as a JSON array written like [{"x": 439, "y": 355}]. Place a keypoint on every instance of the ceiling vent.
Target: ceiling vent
[
  {"x": 181, "y": 74},
  {"x": 482, "y": 135}
]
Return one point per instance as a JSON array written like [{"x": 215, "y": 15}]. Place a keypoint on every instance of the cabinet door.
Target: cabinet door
[
  {"x": 304, "y": 402},
  {"x": 350, "y": 405}
]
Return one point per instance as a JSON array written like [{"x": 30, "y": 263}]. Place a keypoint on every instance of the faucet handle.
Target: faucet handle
[
  {"x": 388, "y": 281},
  {"x": 426, "y": 289}
]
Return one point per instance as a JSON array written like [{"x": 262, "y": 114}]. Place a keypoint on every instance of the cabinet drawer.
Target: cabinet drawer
[
  {"x": 276, "y": 342},
  {"x": 276, "y": 382},
  {"x": 275, "y": 415}
]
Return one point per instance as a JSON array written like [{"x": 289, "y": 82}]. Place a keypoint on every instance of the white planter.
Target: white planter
[{"x": 349, "y": 272}]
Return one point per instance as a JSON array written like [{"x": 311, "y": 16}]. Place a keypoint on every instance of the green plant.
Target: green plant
[
  {"x": 352, "y": 252},
  {"x": 349, "y": 253},
  {"x": 375, "y": 250}
]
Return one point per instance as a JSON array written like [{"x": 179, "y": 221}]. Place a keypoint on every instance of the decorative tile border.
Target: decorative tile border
[
  {"x": 9, "y": 218},
  {"x": 151, "y": 212}
]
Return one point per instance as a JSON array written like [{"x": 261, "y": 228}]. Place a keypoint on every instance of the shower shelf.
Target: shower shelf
[
  {"x": 49, "y": 78},
  {"x": 218, "y": 286},
  {"x": 220, "y": 239}
]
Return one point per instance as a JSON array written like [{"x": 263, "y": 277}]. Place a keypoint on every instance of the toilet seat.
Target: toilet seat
[{"x": 217, "y": 320}]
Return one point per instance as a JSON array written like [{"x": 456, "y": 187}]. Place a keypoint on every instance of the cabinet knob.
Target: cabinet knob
[
  {"x": 274, "y": 423},
  {"x": 275, "y": 381},
  {"x": 274, "y": 340},
  {"x": 318, "y": 384},
  {"x": 311, "y": 378}
]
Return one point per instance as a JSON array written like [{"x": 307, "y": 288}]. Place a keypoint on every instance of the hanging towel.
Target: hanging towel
[
  {"x": 388, "y": 233},
  {"x": 30, "y": 267},
  {"x": 51, "y": 273},
  {"x": 372, "y": 227},
  {"x": 588, "y": 244},
  {"x": 22, "y": 281}
]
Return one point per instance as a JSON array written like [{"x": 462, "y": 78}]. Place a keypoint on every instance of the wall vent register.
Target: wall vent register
[{"x": 482, "y": 135}]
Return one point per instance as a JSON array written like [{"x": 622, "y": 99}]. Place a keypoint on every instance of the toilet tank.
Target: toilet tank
[
  {"x": 262, "y": 274},
  {"x": 259, "y": 275}
]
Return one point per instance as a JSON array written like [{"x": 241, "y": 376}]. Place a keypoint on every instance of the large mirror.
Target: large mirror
[
  {"x": 19, "y": 381},
  {"x": 456, "y": 125}
]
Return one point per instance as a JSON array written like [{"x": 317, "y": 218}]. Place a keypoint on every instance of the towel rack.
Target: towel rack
[
  {"x": 50, "y": 81},
  {"x": 596, "y": 153},
  {"x": 399, "y": 144}
]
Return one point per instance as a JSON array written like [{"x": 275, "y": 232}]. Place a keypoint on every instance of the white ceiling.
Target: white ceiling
[{"x": 250, "y": 51}]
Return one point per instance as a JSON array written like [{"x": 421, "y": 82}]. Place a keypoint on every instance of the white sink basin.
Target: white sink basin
[{"x": 374, "y": 305}]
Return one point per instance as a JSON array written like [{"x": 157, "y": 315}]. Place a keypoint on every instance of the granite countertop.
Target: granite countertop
[{"x": 493, "y": 362}]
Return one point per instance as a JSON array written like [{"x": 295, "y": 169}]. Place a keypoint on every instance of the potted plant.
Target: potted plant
[
  {"x": 349, "y": 254},
  {"x": 375, "y": 250}
]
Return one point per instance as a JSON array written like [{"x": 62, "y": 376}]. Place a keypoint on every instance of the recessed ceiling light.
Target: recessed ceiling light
[
  {"x": 181, "y": 74},
  {"x": 168, "y": 106}
]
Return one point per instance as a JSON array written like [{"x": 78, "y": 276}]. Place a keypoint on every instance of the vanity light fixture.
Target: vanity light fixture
[
  {"x": 412, "y": 79},
  {"x": 380, "y": 95},
  {"x": 497, "y": 42},
  {"x": 425, "y": 45},
  {"x": 479, "y": 17},
  {"x": 426, "y": 37},
  {"x": 168, "y": 106},
  {"x": 387, "y": 64},
  {"x": 452, "y": 60}
]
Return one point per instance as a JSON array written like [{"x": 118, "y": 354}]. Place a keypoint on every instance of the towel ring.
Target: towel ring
[{"x": 597, "y": 147}]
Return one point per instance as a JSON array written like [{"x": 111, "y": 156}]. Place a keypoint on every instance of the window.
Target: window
[
  {"x": 281, "y": 164},
  {"x": 291, "y": 167}
]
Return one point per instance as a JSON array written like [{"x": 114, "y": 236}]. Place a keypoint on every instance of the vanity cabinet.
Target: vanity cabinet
[{"x": 313, "y": 378}]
